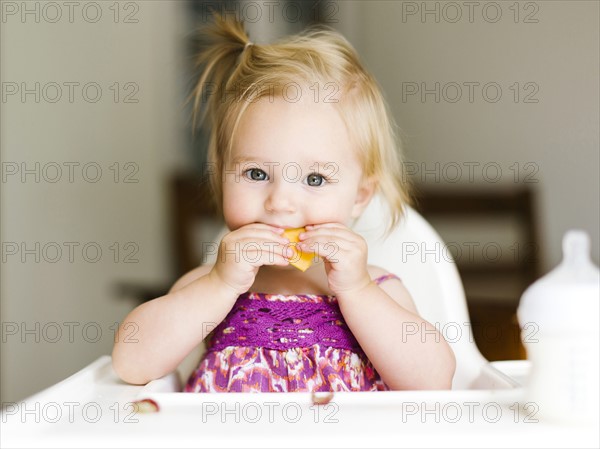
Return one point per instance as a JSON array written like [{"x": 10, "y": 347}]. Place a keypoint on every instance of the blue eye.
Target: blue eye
[
  {"x": 255, "y": 174},
  {"x": 315, "y": 180}
]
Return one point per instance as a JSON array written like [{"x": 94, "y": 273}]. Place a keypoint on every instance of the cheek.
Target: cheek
[
  {"x": 334, "y": 209},
  {"x": 237, "y": 208}
]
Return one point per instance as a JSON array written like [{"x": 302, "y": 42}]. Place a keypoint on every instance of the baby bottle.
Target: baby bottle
[{"x": 559, "y": 320}]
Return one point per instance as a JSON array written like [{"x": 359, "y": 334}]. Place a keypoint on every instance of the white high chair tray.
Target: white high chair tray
[{"x": 93, "y": 408}]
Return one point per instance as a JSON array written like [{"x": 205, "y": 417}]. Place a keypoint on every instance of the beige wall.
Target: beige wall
[
  {"x": 557, "y": 136},
  {"x": 101, "y": 213}
]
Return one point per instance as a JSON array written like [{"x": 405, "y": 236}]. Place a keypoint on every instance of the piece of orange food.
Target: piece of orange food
[{"x": 301, "y": 260}]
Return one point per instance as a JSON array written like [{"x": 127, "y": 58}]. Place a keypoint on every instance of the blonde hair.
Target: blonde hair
[{"x": 238, "y": 72}]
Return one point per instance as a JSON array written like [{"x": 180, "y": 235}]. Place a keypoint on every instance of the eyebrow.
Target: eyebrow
[{"x": 245, "y": 159}]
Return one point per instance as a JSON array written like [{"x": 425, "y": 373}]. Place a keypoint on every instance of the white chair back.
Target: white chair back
[{"x": 416, "y": 253}]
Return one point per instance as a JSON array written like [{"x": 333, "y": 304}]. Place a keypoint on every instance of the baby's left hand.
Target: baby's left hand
[{"x": 344, "y": 253}]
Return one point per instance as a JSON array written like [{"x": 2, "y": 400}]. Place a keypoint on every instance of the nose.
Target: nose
[{"x": 280, "y": 197}]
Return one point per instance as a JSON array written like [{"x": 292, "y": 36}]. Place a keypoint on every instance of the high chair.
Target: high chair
[{"x": 487, "y": 405}]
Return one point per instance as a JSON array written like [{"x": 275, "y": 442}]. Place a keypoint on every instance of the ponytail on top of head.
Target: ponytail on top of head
[{"x": 222, "y": 44}]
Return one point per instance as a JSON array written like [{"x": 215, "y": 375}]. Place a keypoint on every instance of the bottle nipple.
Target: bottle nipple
[{"x": 576, "y": 253}]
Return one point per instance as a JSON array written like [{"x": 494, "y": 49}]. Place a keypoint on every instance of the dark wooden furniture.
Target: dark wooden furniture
[
  {"x": 502, "y": 281},
  {"x": 191, "y": 202}
]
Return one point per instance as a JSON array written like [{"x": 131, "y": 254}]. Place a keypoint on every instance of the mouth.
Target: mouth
[{"x": 284, "y": 226}]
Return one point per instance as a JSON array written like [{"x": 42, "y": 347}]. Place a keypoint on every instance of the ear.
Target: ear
[{"x": 365, "y": 192}]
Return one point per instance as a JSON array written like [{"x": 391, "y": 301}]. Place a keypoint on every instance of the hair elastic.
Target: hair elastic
[{"x": 248, "y": 44}]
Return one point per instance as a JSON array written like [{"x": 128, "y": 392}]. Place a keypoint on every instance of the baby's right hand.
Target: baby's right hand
[{"x": 243, "y": 251}]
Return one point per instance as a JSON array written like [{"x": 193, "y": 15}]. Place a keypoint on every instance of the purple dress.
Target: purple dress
[{"x": 284, "y": 343}]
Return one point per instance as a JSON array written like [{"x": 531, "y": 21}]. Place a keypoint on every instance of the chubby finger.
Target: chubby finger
[
  {"x": 267, "y": 259},
  {"x": 325, "y": 238},
  {"x": 329, "y": 250},
  {"x": 277, "y": 255},
  {"x": 264, "y": 242},
  {"x": 256, "y": 246},
  {"x": 331, "y": 232},
  {"x": 255, "y": 235}
]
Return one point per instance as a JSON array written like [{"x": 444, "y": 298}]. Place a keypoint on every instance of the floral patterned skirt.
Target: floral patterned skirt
[{"x": 315, "y": 368}]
